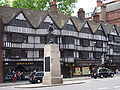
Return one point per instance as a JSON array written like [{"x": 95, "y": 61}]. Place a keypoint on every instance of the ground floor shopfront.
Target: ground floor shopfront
[
  {"x": 25, "y": 68},
  {"x": 68, "y": 70}
]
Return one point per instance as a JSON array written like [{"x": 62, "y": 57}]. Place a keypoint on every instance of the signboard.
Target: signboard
[
  {"x": 77, "y": 71},
  {"x": 85, "y": 70},
  {"x": 47, "y": 64}
]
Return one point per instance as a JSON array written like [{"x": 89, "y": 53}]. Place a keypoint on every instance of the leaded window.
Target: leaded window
[
  {"x": 24, "y": 53},
  {"x": 15, "y": 53},
  {"x": 97, "y": 55},
  {"x": 19, "y": 23},
  {"x": 17, "y": 38},
  {"x": 99, "y": 44},
  {"x": 68, "y": 40},
  {"x": 69, "y": 27},
  {"x": 84, "y": 55},
  {"x": 116, "y": 39},
  {"x": 43, "y": 39},
  {"x": 41, "y": 53},
  {"x": 7, "y": 53},
  {"x": 45, "y": 25},
  {"x": 85, "y": 42},
  {"x": 67, "y": 54},
  {"x": 110, "y": 38}
]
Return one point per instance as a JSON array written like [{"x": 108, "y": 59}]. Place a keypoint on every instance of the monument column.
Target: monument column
[{"x": 52, "y": 71}]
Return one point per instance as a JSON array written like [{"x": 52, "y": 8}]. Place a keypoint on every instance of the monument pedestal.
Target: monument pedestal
[{"x": 52, "y": 71}]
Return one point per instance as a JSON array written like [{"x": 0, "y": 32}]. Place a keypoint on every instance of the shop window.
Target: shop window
[{"x": 15, "y": 53}]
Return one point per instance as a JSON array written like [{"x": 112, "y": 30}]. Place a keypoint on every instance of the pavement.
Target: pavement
[{"x": 27, "y": 84}]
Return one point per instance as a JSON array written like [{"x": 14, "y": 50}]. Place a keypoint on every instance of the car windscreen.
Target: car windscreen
[{"x": 103, "y": 70}]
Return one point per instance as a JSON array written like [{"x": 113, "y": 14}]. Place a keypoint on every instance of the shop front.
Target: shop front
[{"x": 25, "y": 68}]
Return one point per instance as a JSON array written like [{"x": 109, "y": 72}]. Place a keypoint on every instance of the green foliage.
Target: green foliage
[
  {"x": 4, "y": 2},
  {"x": 64, "y": 6}
]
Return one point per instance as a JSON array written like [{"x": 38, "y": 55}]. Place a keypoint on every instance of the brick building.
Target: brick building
[
  {"x": 83, "y": 44},
  {"x": 108, "y": 11}
]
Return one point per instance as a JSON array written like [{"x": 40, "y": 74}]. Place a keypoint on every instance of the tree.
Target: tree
[
  {"x": 4, "y": 2},
  {"x": 64, "y": 6}
]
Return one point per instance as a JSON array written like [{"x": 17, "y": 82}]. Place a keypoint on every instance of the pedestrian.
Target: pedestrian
[
  {"x": 19, "y": 75},
  {"x": 14, "y": 77}
]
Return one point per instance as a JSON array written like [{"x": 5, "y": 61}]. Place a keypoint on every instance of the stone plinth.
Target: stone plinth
[{"x": 52, "y": 71}]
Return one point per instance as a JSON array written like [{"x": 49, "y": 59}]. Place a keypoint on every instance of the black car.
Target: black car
[
  {"x": 102, "y": 72},
  {"x": 36, "y": 77}
]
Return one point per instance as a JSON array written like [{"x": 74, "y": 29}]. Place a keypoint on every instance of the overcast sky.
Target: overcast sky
[{"x": 87, "y": 5}]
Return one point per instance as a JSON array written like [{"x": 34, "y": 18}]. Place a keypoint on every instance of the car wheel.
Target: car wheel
[
  {"x": 95, "y": 77},
  {"x": 101, "y": 76},
  {"x": 112, "y": 75},
  {"x": 38, "y": 81}
]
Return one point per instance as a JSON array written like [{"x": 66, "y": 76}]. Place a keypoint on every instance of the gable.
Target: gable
[
  {"x": 86, "y": 25},
  {"x": 69, "y": 22},
  {"x": 113, "y": 31},
  {"x": 100, "y": 31},
  {"x": 20, "y": 21},
  {"x": 86, "y": 29},
  {"x": 46, "y": 22},
  {"x": 69, "y": 26},
  {"x": 48, "y": 19},
  {"x": 20, "y": 17}
]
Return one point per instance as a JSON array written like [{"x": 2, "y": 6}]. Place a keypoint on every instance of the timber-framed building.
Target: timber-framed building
[{"x": 83, "y": 44}]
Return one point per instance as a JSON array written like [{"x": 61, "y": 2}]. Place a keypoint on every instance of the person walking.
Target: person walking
[{"x": 14, "y": 77}]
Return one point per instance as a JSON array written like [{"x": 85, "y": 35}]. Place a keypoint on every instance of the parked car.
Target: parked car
[
  {"x": 102, "y": 72},
  {"x": 36, "y": 77}
]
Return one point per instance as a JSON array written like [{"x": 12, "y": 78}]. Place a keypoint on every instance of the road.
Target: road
[{"x": 91, "y": 84}]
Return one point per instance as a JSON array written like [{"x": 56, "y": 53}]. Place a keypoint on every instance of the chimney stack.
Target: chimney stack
[
  {"x": 81, "y": 14},
  {"x": 96, "y": 18},
  {"x": 53, "y": 7},
  {"x": 103, "y": 13},
  {"x": 99, "y": 3}
]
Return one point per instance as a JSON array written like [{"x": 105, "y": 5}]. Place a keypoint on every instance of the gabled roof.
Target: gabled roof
[
  {"x": 35, "y": 17},
  {"x": 78, "y": 23},
  {"x": 59, "y": 19},
  {"x": 94, "y": 26},
  {"x": 118, "y": 30},
  {"x": 107, "y": 27}
]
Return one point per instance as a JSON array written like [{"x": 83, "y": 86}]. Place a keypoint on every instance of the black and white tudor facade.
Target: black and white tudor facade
[{"x": 82, "y": 43}]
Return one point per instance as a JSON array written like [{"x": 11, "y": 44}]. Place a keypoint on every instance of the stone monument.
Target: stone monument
[{"x": 52, "y": 70}]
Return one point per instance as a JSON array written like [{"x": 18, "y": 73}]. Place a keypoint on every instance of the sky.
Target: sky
[{"x": 87, "y": 5}]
